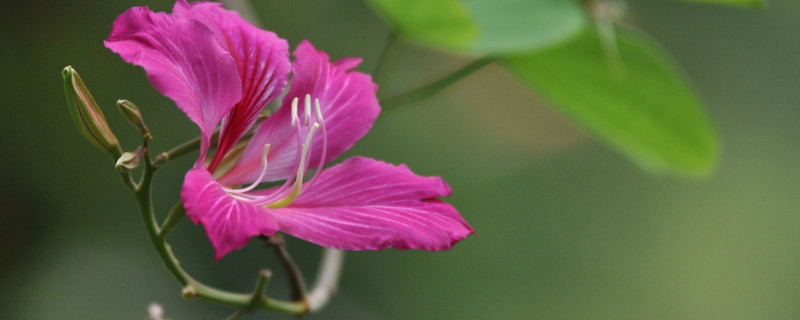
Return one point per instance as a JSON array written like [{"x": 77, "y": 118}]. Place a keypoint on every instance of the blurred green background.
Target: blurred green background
[{"x": 567, "y": 228}]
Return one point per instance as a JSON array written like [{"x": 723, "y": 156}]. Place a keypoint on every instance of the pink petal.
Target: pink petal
[
  {"x": 183, "y": 61},
  {"x": 229, "y": 222},
  {"x": 349, "y": 107},
  {"x": 364, "y": 204},
  {"x": 262, "y": 61}
]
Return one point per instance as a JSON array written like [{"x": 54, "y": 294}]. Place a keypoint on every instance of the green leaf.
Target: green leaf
[
  {"x": 484, "y": 26},
  {"x": 443, "y": 23},
  {"x": 632, "y": 96},
  {"x": 742, "y": 3},
  {"x": 507, "y": 26}
]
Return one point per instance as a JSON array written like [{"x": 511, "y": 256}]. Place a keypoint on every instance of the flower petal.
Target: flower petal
[
  {"x": 229, "y": 222},
  {"x": 262, "y": 61},
  {"x": 349, "y": 107},
  {"x": 183, "y": 61},
  {"x": 365, "y": 204}
]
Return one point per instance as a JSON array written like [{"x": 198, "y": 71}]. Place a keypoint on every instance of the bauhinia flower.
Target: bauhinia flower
[{"x": 222, "y": 71}]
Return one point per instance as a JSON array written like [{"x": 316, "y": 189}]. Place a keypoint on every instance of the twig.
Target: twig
[
  {"x": 434, "y": 88},
  {"x": 327, "y": 279},
  {"x": 296, "y": 283}
]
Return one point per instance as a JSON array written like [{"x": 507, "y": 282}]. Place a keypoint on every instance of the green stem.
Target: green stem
[
  {"x": 435, "y": 87},
  {"x": 296, "y": 283},
  {"x": 176, "y": 152},
  {"x": 176, "y": 214},
  {"x": 191, "y": 286},
  {"x": 194, "y": 144},
  {"x": 387, "y": 48}
]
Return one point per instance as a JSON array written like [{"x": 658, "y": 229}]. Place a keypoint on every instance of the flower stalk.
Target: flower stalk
[
  {"x": 193, "y": 288},
  {"x": 296, "y": 283},
  {"x": 143, "y": 195},
  {"x": 435, "y": 87}
]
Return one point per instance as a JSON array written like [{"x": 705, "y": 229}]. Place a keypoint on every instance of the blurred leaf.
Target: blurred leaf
[
  {"x": 744, "y": 3},
  {"x": 507, "y": 26},
  {"x": 484, "y": 26},
  {"x": 638, "y": 100},
  {"x": 445, "y": 23}
]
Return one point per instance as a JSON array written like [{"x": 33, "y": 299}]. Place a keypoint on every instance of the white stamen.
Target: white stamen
[
  {"x": 308, "y": 107},
  {"x": 302, "y": 169},
  {"x": 270, "y": 201},
  {"x": 317, "y": 110},
  {"x": 321, "y": 121},
  {"x": 260, "y": 177},
  {"x": 292, "y": 188},
  {"x": 294, "y": 111}
]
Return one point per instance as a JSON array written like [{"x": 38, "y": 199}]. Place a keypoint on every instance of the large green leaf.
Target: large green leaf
[
  {"x": 443, "y": 23},
  {"x": 484, "y": 26},
  {"x": 507, "y": 26},
  {"x": 743, "y": 3},
  {"x": 634, "y": 97}
]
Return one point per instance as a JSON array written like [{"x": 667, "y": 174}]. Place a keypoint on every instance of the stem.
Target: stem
[
  {"x": 390, "y": 44},
  {"x": 330, "y": 266},
  {"x": 296, "y": 283},
  {"x": 176, "y": 214},
  {"x": 258, "y": 293},
  {"x": 127, "y": 179},
  {"x": 434, "y": 88},
  {"x": 191, "y": 286},
  {"x": 194, "y": 144},
  {"x": 330, "y": 270},
  {"x": 177, "y": 152}
]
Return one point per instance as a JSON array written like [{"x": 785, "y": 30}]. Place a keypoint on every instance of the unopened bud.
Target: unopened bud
[
  {"x": 128, "y": 161},
  {"x": 87, "y": 115},
  {"x": 134, "y": 116}
]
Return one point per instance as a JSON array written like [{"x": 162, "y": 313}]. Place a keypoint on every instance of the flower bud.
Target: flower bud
[
  {"x": 128, "y": 161},
  {"x": 87, "y": 115},
  {"x": 134, "y": 116}
]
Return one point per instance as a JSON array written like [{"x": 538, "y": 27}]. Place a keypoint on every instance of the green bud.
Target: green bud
[
  {"x": 128, "y": 161},
  {"x": 87, "y": 115},
  {"x": 134, "y": 116}
]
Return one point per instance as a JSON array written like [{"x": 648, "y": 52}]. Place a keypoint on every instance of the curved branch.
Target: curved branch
[{"x": 330, "y": 270}]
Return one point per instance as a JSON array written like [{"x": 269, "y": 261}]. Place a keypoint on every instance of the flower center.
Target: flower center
[{"x": 291, "y": 189}]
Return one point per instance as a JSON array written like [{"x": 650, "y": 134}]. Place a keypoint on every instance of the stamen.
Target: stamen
[
  {"x": 260, "y": 177},
  {"x": 292, "y": 188},
  {"x": 286, "y": 189},
  {"x": 294, "y": 111},
  {"x": 317, "y": 110},
  {"x": 298, "y": 182},
  {"x": 321, "y": 122},
  {"x": 308, "y": 107}
]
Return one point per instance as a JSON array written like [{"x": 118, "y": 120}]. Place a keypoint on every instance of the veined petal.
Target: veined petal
[
  {"x": 365, "y": 204},
  {"x": 183, "y": 61},
  {"x": 229, "y": 222},
  {"x": 348, "y": 104},
  {"x": 262, "y": 61}
]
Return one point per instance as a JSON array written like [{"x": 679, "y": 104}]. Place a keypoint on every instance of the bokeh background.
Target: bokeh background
[{"x": 567, "y": 228}]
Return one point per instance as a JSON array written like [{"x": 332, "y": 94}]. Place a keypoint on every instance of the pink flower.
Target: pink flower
[{"x": 222, "y": 71}]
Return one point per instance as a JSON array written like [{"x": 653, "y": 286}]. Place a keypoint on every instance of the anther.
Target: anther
[
  {"x": 317, "y": 110},
  {"x": 308, "y": 107},
  {"x": 294, "y": 111}
]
